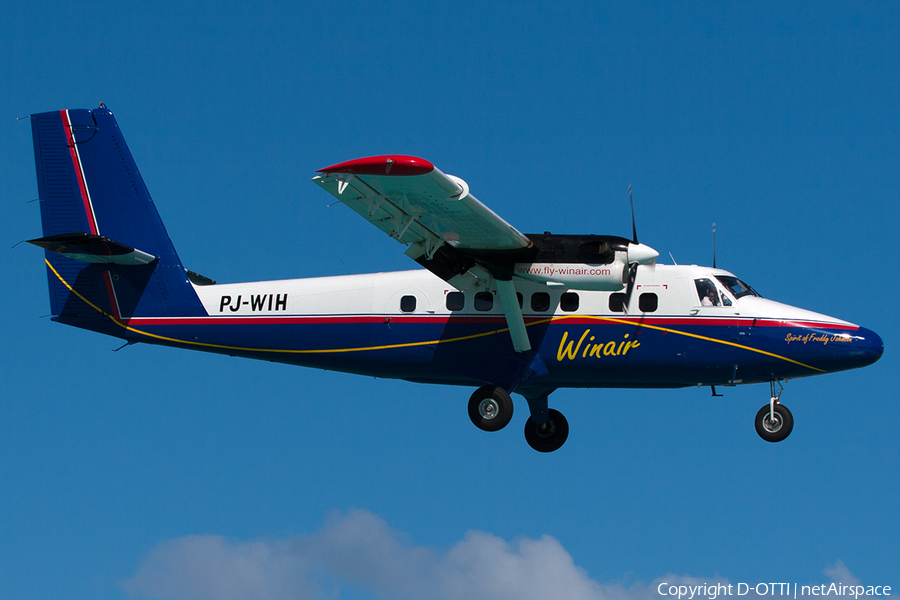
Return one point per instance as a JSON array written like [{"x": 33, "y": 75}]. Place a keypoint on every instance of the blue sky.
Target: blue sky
[{"x": 159, "y": 473}]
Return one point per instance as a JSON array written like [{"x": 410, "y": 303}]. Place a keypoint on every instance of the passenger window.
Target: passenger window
[
  {"x": 519, "y": 298},
  {"x": 569, "y": 301},
  {"x": 617, "y": 302},
  {"x": 408, "y": 303},
  {"x": 456, "y": 301},
  {"x": 648, "y": 302},
  {"x": 484, "y": 301},
  {"x": 540, "y": 302}
]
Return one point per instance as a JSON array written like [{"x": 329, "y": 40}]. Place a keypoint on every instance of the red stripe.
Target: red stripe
[
  {"x": 113, "y": 301},
  {"x": 89, "y": 211},
  {"x": 294, "y": 320},
  {"x": 714, "y": 322},
  {"x": 806, "y": 325},
  {"x": 474, "y": 319}
]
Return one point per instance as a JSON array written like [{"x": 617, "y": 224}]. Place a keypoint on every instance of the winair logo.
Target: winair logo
[
  {"x": 256, "y": 302},
  {"x": 585, "y": 347}
]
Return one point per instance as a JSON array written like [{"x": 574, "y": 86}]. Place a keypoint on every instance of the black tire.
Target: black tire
[
  {"x": 490, "y": 408},
  {"x": 780, "y": 429},
  {"x": 551, "y": 435}
]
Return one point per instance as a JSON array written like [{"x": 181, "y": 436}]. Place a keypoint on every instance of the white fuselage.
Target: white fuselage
[{"x": 381, "y": 294}]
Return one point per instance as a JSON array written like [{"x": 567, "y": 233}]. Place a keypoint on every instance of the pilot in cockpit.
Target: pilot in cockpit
[{"x": 707, "y": 292}]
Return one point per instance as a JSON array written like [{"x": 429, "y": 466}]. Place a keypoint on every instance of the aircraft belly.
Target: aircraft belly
[{"x": 576, "y": 352}]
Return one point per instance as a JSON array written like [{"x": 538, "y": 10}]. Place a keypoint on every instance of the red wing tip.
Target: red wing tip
[{"x": 394, "y": 164}]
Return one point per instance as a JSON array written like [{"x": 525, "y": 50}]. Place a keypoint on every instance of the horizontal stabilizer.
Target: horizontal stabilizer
[
  {"x": 198, "y": 279},
  {"x": 89, "y": 248}
]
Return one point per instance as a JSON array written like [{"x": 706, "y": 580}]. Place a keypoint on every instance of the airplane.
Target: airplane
[{"x": 493, "y": 308}]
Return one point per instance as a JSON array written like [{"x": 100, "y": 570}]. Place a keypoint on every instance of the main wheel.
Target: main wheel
[
  {"x": 551, "y": 435},
  {"x": 774, "y": 430},
  {"x": 490, "y": 408}
]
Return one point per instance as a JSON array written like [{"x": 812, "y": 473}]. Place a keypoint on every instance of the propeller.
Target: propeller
[{"x": 638, "y": 254}]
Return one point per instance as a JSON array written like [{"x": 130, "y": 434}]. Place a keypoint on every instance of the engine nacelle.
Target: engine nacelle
[{"x": 610, "y": 277}]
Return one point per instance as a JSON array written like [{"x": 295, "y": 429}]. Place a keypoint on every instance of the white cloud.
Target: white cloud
[
  {"x": 198, "y": 567},
  {"x": 359, "y": 550},
  {"x": 839, "y": 573}
]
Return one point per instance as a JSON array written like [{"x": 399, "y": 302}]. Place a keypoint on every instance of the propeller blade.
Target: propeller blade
[
  {"x": 638, "y": 252},
  {"x": 632, "y": 275},
  {"x": 633, "y": 226}
]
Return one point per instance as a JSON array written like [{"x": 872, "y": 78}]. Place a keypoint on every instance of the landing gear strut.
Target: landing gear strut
[{"x": 774, "y": 421}]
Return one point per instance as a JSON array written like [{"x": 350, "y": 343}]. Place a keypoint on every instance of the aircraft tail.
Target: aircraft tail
[{"x": 109, "y": 257}]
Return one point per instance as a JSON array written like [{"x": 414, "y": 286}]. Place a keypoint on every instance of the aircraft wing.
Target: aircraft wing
[{"x": 416, "y": 204}]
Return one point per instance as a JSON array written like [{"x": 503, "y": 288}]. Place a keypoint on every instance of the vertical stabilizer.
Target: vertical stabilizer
[{"x": 108, "y": 253}]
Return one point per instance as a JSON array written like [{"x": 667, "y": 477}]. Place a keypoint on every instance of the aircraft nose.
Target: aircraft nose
[
  {"x": 870, "y": 346},
  {"x": 843, "y": 350}
]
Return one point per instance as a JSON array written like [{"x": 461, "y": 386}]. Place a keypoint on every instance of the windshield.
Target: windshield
[{"x": 738, "y": 288}]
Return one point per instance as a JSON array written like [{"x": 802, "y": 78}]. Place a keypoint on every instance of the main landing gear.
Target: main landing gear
[
  {"x": 491, "y": 409},
  {"x": 774, "y": 421},
  {"x": 549, "y": 435}
]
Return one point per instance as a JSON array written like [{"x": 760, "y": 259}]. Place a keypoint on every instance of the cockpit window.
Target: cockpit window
[
  {"x": 706, "y": 290},
  {"x": 736, "y": 286}
]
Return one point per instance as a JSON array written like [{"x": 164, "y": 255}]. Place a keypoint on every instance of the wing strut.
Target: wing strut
[{"x": 513, "y": 313}]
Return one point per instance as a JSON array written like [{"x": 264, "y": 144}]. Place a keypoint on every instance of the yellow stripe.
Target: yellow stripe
[{"x": 427, "y": 343}]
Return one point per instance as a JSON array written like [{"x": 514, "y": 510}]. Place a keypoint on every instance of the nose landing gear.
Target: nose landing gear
[{"x": 774, "y": 421}]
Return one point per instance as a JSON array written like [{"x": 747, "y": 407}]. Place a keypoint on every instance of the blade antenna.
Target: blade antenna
[
  {"x": 633, "y": 226},
  {"x": 714, "y": 245}
]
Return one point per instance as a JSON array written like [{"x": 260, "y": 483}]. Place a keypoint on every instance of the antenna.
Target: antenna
[{"x": 714, "y": 245}]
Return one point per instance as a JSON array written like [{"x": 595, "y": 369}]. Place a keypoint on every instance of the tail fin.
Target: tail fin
[{"x": 108, "y": 254}]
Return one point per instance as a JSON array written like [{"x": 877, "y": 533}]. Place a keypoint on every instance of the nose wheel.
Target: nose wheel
[{"x": 774, "y": 421}]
